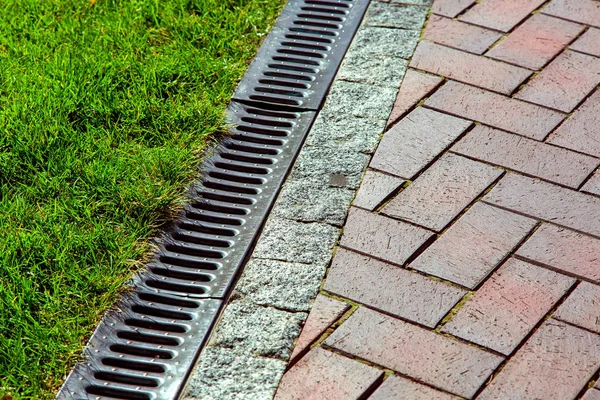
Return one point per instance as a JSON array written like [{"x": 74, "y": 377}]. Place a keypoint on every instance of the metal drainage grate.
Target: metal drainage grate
[{"x": 144, "y": 347}]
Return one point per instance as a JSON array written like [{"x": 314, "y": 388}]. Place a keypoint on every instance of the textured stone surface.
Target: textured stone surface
[
  {"x": 415, "y": 141},
  {"x": 396, "y": 15},
  {"x": 325, "y": 311},
  {"x": 416, "y": 352},
  {"x": 360, "y": 134},
  {"x": 527, "y": 156},
  {"x": 588, "y": 43},
  {"x": 536, "y": 41},
  {"x": 469, "y": 68},
  {"x": 581, "y": 131},
  {"x": 373, "y": 69},
  {"x": 564, "y": 250},
  {"x": 258, "y": 331},
  {"x": 508, "y": 305},
  {"x": 450, "y": 8},
  {"x": 223, "y": 375},
  {"x": 415, "y": 86},
  {"x": 322, "y": 374},
  {"x": 292, "y": 241},
  {"x": 501, "y": 15},
  {"x": 287, "y": 286},
  {"x": 360, "y": 100},
  {"x": 398, "y": 388},
  {"x": 591, "y": 394},
  {"x": 474, "y": 245},
  {"x": 454, "y": 33},
  {"x": 593, "y": 184},
  {"x": 385, "y": 41},
  {"x": 538, "y": 369},
  {"x": 375, "y": 188},
  {"x": 564, "y": 82},
  {"x": 495, "y": 110},
  {"x": 442, "y": 192},
  {"x": 584, "y": 11},
  {"x": 582, "y": 307},
  {"x": 382, "y": 237},
  {"x": 391, "y": 289}
]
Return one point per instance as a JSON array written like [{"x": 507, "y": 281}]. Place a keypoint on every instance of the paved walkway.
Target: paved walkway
[{"x": 469, "y": 266}]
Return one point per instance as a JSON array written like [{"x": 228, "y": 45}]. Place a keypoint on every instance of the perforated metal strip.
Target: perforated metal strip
[{"x": 144, "y": 347}]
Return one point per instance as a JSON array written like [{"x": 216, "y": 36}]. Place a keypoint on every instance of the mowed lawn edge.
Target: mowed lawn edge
[{"x": 105, "y": 107}]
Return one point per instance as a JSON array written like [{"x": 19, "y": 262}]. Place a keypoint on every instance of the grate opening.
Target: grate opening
[
  {"x": 230, "y": 188},
  {"x": 225, "y": 198},
  {"x": 154, "y": 326},
  {"x": 161, "y": 313},
  {"x": 133, "y": 365},
  {"x": 116, "y": 393},
  {"x": 312, "y": 32},
  {"x": 207, "y": 229},
  {"x": 324, "y": 10},
  {"x": 247, "y": 159},
  {"x": 150, "y": 339},
  {"x": 126, "y": 379},
  {"x": 197, "y": 239},
  {"x": 275, "y": 100},
  {"x": 309, "y": 39},
  {"x": 170, "y": 301},
  {"x": 175, "y": 287},
  {"x": 262, "y": 131},
  {"x": 321, "y": 17},
  {"x": 188, "y": 276},
  {"x": 194, "y": 251},
  {"x": 301, "y": 53},
  {"x": 187, "y": 263},
  {"x": 294, "y": 67},
  {"x": 246, "y": 169},
  {"x": 278, "y": 91},
  {"x": 212, "y": 218},
  {"x": 141, "y": 351},
  {"x": 327, "y": 3},
  {"x": 317, "y": 24},
  {"x": 270, "y": 122},
  {"x": 295, "y": 60},
  {"x": 219, "y": 209},
  {"x": 289, "y": 76},
  {"x": 274, "y": 114}
]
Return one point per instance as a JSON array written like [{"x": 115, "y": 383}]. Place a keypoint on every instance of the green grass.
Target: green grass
[{"x": 105, "y": 107}]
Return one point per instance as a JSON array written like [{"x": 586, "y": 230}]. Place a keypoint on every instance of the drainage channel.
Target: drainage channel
[{"x": 145, "y": 347}]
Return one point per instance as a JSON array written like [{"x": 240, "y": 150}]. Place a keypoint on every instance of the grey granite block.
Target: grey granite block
[
  {"x": 396, "y": 15},
  {"x": 386, "y": 41},
  {"x": 373, "y": 69},
  {"x": 359, "y": 100}
]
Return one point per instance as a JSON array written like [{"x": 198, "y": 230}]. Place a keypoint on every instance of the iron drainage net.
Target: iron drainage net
[{"x": 145, "y": 347}]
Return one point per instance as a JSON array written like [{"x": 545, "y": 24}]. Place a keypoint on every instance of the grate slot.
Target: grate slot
[
  {"x": 207, "y": 229},
  {"x": 155, "y": 326},
  {"x": 313, "y": 32},
  {"x": 321, "y": 17},
  {"x": 170, "y": 301},
  {"x": 183, "y": 275},
  {"x": 126, "y": 379},
  {"x": 206, "y": 217},
  {"x": 309, "y": 39},
  {"x": 229, "y": 188},
  {"x": 184, "y": 248},
  {"x": 175, "y": 287},
  {"x": 247, "y": 159},
  {"x": 187, "y": 262},
  {"x": 141, "y": 351},
  {"x": 324, "y": 10},
  {"x": 161, "y": 313},
  {"x": 317, "y": 24},
  {"x": 150, "y": 339},
  {"x": 288, "y": 76},
  {"x": 226, "y": 197},
  {"x": 327, "y": 3},
  {"x": 295, "y": 60},
  {"x": 133, "y": 365},
  {"x": 115, "y": 393},
  {"x": 270, "y": 122}
]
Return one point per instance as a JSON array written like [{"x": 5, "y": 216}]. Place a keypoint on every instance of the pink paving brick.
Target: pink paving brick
[
  {"x": 322, "y": 374},
  {"x": 398, "y": 388},
  {"x": 468, "y": 68},
  {"x": 375, "y": 188},
  {"x": 584, "y": 11},
  {"x": 391, "y": 289},
  {"x": 416, "y": 140},
  {"x": 421, "y": 354},
  {"x": 453, "y": 33},
  {"x": 591, "y": 394},
  {"x": 536, "y": 42},
  {"x": 442, "y": 192},
  {"x": 555, "y": 363},
  {"x": 415, "y": 86},
  {"x": 581, "y": 132},
  {"x": 382, "y": 237},
  {"x": 527, "y": 156},
  {"x": 564, "y": 82},
  {"x": 450, "y": 8},
  {"x": 508, "y": 305},
  {"x": 325, "y": 311},
  {"x": 501, "y": 15},
  {"x": 588, "y": 43},
  {"x": 474, "y": 245},
  {"x": 582, "y": 307},
  {"x": 547, "y": 202},
  {"x": 565, "y": 251},
  {"x": 495, "y": 110},
  {"x": 593, "y": 184}
]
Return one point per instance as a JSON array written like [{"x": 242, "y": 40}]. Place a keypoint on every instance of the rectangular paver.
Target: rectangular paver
[
  {"x": 435, "y": 198},
  {"x": 415, "y": 86},
  {"x": 555, "y": 363},
  {"x": 584, "y": 11},
  {"x": 593, "y": 184},
  {"x": 391, "y": 289},
  {"x": 416, "y": 352},
  {"x": 501, "y": 15},
  {"x": 581, "y": 132},
  {"x": 398, "y": 388},
  {"x": 508, "y": 305},
  {"x": 536, "y": 41},
  {"x": 416, "y": 140},
  {"x": 460, "y": 35},
  {"x": 450, "y": 8},
  {"x": 468, "y": 68},
  {"x": 382, "y": 237},
  {"x": 374, "y": 188},
  {"x": 493, "y": 109},
  {"x": 322, "y": 374},
  {"x": 527, "y": 156},
  {"x": 474, "y": 245},
  {"x": 566, "y": 81},
  {"x": 588, "y": 43},
  {"x": 564, "y": 250},
  {"x": 582, "y": 307},
  {"x": 547, "y": 202}
]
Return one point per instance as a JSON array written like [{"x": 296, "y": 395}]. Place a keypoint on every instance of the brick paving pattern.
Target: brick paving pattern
[{"x": 469, "y": 266}]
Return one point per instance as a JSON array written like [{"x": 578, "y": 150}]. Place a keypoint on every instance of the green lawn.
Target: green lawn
[{"x": 104, "y": 108}]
